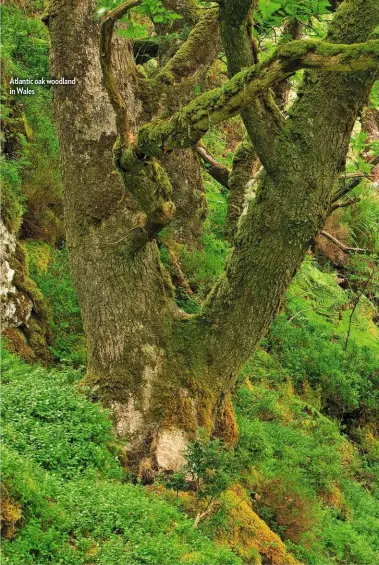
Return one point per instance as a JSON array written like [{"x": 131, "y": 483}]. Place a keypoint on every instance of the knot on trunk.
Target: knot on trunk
[{"x": 148, "y": 182}]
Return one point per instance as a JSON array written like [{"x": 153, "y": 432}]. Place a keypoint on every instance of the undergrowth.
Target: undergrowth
[{"x": 61, "y": 465}]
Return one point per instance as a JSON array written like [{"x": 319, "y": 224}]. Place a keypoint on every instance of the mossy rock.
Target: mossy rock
[
  {"x": 33, "y": 336},
  {"x": 17, "y": 344}
]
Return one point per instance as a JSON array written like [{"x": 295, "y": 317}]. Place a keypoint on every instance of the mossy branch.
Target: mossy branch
[
  {"x": 188, "y": 9},
  {"x": 193, "y": 57},
  {"x": 187, "y": 126},
  {"x": 245, "y": 167},
  {"x": 147, "y": 180},
  {"x": 143, "y": 177},
  {"x": 262, "y": 118}
]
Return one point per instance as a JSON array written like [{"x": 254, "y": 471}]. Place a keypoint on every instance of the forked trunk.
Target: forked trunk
[{"x": 165, "y": 374}]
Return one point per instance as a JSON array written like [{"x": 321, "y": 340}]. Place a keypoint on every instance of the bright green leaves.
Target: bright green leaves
[
  {"x": 140, "y": 22},
  {"x": 270, "y": 14},
  {"x": 155, "y": 10},
  {"x": 211, "y": 468},
  {"x": 267, "y": 9},
  {"x": 59, "y": 464},
  {"x": 43, "y": 418}
]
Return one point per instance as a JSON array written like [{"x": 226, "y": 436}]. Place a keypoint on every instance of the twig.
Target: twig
[
  {"x": 346, "y": 204},
  {"x": 201, "y": 515},
  {"x": 356, "y": 175},
  {"x": 181, "y": 278},
  {"x": 355, "y": 182}
]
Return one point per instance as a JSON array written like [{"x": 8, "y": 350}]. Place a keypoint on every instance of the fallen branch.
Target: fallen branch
[{"x": 341, "y": 245}]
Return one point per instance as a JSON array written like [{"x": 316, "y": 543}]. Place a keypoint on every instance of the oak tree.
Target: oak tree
[{"x": 129, "y": 167}]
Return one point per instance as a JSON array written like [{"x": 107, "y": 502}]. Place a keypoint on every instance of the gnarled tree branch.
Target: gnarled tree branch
[
  {"x": 291, "y": 203},
  {"x": 191, "y": 61},
  {"x": 188, "y": 125},
  {"x": 292, "y": 30},
  {"x": 144, "y": 178},
  {"x": 188, "y": 9},
  {"x": 218, "y": 171},
  {"x": 245, "y": 167},
  {"x": 262, "y": 118}
]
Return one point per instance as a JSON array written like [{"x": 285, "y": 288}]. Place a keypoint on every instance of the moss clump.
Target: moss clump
[
  {"x": 249, "y": 535},
  {"x": 182, "y": 413},
  {"x": 50, "y": 270},
  {"x": 11, "y": 208},
  {"x": 10, "y": 515},
  {"x": 36, "y": 327},
  {"x": 17, "y": 344},
  {"x": 226, "y": 423}
]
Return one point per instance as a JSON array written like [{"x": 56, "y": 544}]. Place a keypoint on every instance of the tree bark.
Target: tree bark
[{"x": 245, "y": 167}]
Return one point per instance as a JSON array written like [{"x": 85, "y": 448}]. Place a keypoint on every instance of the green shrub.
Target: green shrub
[
  {"x": 305, "y": 476},
  {"x": 44, "y": 418},
  {"x": 211, "y": 466}
]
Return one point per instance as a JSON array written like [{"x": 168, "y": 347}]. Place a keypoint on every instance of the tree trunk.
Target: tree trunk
[
  {"x": 163, "y": 372},
  {"x": 125, "y": 296},
  {"x": 122, "y": 292}
]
